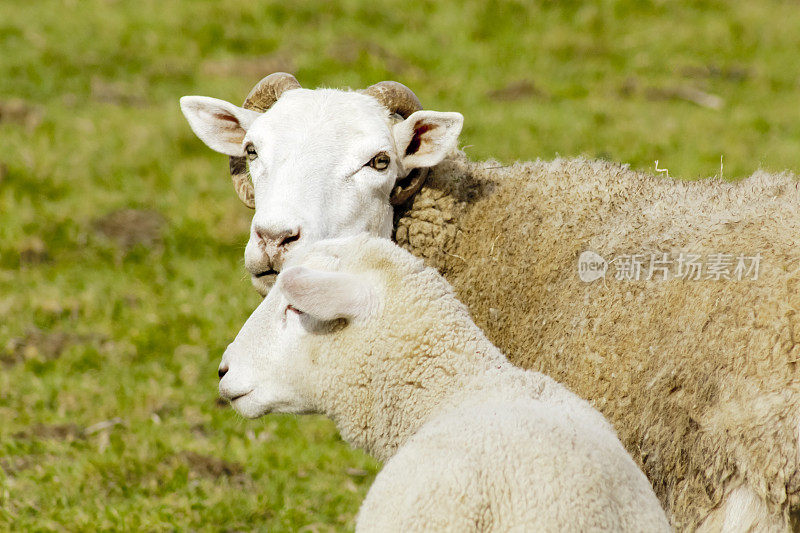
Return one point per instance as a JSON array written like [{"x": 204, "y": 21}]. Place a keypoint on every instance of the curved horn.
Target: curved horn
[
  {"x": 401, "y": 100},
  {"x": 261, "y": 98},
  {"x": 395, "y": 96}
]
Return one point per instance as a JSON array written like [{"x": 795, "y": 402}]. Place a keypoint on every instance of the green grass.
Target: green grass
[{"x": 98, "y": 323}]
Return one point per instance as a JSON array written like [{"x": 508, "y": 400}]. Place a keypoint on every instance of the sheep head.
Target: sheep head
[
  {"x": 322, "y": 163},
  {"x": 271, "y": 366},
  {"x": 357, "y": 329},
  {"x": 315, "y": 318}
]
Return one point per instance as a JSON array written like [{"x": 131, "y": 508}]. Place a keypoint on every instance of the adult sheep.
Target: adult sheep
[
  {"x": 359, "y": 330},
  {"x": 698, "y": 376}
]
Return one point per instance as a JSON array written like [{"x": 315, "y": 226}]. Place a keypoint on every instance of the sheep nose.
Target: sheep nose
[
  {"x": 277, "y": 239},
  {"x": 223, "y": 369}
]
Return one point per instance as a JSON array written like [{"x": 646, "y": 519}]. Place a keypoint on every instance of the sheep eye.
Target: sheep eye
[
  {"x": 250, "y": 151},
  {"x": 380, "y": 161}
]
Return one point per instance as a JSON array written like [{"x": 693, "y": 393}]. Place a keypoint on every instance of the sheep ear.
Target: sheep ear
[
  {"x": 219, "y": 124},
  {"x": 426, "y": 137},
  {"x": 328, "y": 295}
]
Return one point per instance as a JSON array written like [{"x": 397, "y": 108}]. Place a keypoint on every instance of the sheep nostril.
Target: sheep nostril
[
  {"x": 289, "y": 239},
  {"x": 222, "y": 371},
  {"x": 273, "y": 240}
]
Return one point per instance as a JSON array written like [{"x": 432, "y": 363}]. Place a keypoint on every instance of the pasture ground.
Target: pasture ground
[{"x": 121, "y": 238}]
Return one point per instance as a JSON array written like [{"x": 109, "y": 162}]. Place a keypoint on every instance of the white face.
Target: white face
[
  {"x": 262, "y": 369},
  {"x": 313, "y": 175},
  {"x": 323, "y": 164},
  {"x": 268, "y": 367}
]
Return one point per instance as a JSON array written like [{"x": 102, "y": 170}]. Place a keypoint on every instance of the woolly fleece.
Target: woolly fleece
[{"x": 699, "y": 378}]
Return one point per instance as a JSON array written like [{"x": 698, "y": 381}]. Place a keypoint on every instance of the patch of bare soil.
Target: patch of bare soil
[
  {"x": 517, "y": 90},
  {"x": 211, "y": 467},
  {"x": 631, "y": 87},
  {"x": 41, "y": 345},
  {"x": 129, "y": 227},
  {"x": 36, "y": 344},
  {"x": 18, "y": 111},
  {"x": 65, "y": 432},
  {"x": 14, "y": 464},
  {"x": 33, "y": 252}
]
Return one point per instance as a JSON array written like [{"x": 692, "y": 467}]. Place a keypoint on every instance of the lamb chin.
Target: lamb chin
[{"x": 248, "y": 408}]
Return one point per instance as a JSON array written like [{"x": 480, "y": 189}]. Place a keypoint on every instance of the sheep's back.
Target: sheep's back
[{"x": 699, "y": 377}]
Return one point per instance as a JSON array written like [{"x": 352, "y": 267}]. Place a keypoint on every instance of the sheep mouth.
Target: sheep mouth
[
  {"x": 265, "y": 279},
  {"x": 270, "y": 272},
  {"x": 238, "y": 397}
]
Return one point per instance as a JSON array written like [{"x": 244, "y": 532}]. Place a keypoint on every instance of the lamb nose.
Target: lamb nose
[{"x": 222, "y": 371}]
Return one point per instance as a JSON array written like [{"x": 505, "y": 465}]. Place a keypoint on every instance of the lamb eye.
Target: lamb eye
[
  {"x": 380, "y": 161},
  {"x": 251, "y": 152}
]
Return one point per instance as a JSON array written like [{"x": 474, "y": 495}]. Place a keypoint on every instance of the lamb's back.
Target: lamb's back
[{"x": 511, "y": 465}]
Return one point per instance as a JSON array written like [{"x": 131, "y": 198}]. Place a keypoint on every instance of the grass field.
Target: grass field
[{"x": 121, "y": 238}]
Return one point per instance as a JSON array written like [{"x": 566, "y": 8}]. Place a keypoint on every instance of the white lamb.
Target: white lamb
[{"x": 362, "y": 331}]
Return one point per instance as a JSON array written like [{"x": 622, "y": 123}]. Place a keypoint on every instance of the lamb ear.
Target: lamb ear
[
  {"x": 219, "y": 124},
  {"x": 328, "y": 295},
  {"x": 426, "y": 137}
]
